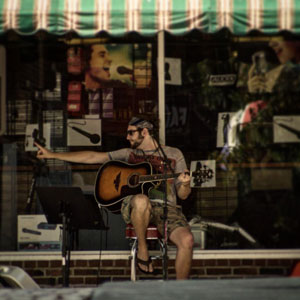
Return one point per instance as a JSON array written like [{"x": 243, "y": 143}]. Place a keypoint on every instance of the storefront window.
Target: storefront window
[
  {"x": 231, "y": 106},
  {"x": 236, "y": 115}
]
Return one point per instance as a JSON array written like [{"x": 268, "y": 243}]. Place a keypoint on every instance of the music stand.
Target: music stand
[{"x": 68, "y": 206}]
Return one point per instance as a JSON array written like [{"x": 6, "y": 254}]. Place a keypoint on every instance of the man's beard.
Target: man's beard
[{"x": 136, "y": 143}]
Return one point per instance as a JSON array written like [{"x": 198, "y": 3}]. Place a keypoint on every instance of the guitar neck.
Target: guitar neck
[{"x": 157, "y": 177}]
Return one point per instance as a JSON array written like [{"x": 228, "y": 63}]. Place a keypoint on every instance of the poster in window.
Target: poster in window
[{"x": 118, "y": 65}]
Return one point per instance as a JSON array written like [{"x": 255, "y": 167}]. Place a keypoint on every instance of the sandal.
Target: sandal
[{"x": 144, "y": 263}]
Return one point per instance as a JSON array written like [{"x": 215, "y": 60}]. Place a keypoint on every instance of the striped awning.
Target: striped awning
[{"x": 118, "y": 17}]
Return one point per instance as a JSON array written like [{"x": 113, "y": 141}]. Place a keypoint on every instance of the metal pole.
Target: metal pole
[
  {"x": 162, "y": 133},
  {"x": 161, "y": 86}
]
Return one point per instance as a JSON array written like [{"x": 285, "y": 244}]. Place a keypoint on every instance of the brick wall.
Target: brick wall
[{"x": 84, "y": 272}]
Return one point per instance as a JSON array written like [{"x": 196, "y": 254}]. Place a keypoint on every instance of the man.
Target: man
[
  {"x": 141, "y": 209},
  {"x": 98, "y": 73}
]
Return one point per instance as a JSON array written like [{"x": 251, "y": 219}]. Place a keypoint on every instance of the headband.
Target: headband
[{"x": 140, "y": 123}]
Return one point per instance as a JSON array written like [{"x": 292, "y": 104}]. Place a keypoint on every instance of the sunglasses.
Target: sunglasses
[{"x": 131, "y": 132}]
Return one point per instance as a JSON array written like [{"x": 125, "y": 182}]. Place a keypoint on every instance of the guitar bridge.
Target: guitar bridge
[{"x": 117, "y": 181}]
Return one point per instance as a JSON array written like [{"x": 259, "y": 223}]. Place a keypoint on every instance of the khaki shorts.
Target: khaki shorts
[{"x": 175, "y": 217}]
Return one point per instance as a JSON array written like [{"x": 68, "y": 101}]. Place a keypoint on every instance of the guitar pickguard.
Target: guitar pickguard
[{"x": 117, "y": 181}]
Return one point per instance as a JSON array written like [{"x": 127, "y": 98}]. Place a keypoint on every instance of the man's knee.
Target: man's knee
[
  {"x": 188, "y": 240},
  {"x": 183, "y": 238},
  {"x": 140, "y": 202}
]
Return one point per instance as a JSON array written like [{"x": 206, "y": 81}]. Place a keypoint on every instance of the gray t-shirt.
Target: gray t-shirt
[{"x": 155, "y": 158}]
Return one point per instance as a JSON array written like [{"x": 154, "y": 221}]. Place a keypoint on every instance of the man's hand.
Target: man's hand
[
  {"x": 184, "y": 188},
  {"x": 256, "y": 83},
  {"x": 185, "y": 178},
  {"x": 43, "y": 152}
]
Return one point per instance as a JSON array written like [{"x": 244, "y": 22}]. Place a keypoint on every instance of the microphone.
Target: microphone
[
  {"x": 41, "y": 141},
  {"x": 260, "y": 62},
  {"x": 94, "y": 138},
  {"x": 124, "y": 70}
]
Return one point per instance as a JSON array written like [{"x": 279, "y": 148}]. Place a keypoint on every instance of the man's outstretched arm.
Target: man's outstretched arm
[{"x": 85, "y": 157}]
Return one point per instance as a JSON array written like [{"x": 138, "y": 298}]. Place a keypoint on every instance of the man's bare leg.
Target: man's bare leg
[
  {"x": 140, "y": 217},
  {"x": 183, "y": 239}
]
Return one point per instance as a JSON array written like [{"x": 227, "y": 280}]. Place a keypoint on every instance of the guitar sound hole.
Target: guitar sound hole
[{"x": 133, "y": 180}]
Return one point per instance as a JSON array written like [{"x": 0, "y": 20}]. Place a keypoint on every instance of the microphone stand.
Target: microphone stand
[
  {"x": 40, "y": 167},
  {"x": 167, "y": 165}
]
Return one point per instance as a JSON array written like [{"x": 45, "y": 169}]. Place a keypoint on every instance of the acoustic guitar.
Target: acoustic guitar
[{"x": 116, "y": 180}]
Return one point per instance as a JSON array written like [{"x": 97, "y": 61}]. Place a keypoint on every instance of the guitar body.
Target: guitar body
[{"x": 116, "y": 180}]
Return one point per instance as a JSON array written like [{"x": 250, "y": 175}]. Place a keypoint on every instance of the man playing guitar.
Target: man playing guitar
[{"x": 140, "y": 209}]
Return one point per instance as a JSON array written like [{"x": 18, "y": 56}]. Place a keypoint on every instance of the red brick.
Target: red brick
[
  {"x": 122, "y": 263},
  {"x": 222, "y": 262},
  {"x": 247, "y": 262},
  {"x": 94, "y": 263},
  {"x": 198, "y": 271},
  {"x": 35, "y": 272},
  {"x": 111, "y": 272},
  {"x": 234, "y": 262},
  {"x": 286, "y": 262},
  {"x": 197, "y": 263},
  {"x": 43, "y": 263},
  {"x": 54, "y": 272},
  {"x": 102, "y": 279},
  {"x": 81, "y": 263},
  {"x": 158, "y": 263},
  {"x": 273, "y": 262},
  {"x": 55, "y": 263},
  {"x": 209, "y": 262},
  {"x": 245, "y": 271},
  {"x": 17, "y": 264},
  {"x": 127, "y": 271},
  {"x": 106, "y": 263},
  {"x": 171, "y": 262},
  {"x": 83, "y": 272},
  {"x": 76, "y": 280},
  {"x": 45, "y": 281},
  {"x": 121, "y": 278},
  {"x": 218, "y": 271},
  {"x": 29, "y": 264},
  {"x": 170, "y": 271},
  {"x": 259, "y": 262},
  {"x": 272, "y": 271},
  {"x": 91, "y": 280}
]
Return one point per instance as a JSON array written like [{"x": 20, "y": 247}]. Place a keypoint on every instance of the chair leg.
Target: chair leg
[
  {"x": 133, "y": 260},
  {"x": 164, "y": 259}
]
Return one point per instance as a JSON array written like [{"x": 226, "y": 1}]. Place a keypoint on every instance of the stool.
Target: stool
[{"x": 152, "y": 233}]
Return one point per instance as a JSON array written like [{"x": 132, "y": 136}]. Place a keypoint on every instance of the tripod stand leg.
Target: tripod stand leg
[
  {"x": 65, "y": 253},
  {"x": 30, "y": 195}
]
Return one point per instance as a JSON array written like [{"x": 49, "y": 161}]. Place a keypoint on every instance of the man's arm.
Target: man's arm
[
  {"x": 86, "y": 157},
  {"x": 184, "y": 185}
]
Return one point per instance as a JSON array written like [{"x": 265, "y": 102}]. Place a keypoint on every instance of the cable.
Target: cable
[{"x": 100, "y": 243}]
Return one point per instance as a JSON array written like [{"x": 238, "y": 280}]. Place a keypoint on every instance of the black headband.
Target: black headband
[{"x": 140, "y": 123}]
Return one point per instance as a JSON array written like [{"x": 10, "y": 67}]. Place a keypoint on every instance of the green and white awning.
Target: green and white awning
[{"x": 147, "y": 17}]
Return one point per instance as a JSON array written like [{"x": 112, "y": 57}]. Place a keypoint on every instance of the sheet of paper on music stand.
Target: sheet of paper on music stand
[
  {"x": 286, "y": 129},
  {"x": 29, "y": 146},
  {"x": 88, "y": 128},
  {"x": 203, "y": 173}
]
